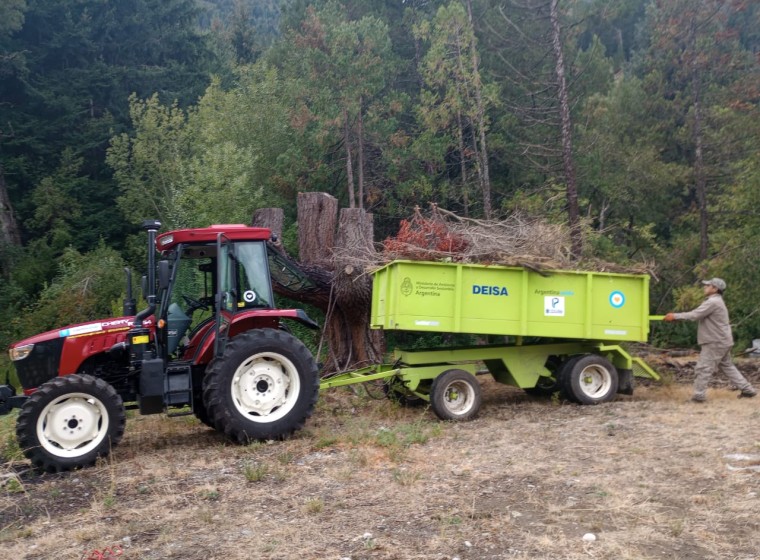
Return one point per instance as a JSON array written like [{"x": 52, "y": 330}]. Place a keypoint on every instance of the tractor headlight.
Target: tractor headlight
[{"x": 20, "y": 352}]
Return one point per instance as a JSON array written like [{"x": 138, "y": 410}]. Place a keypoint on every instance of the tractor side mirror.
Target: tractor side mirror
[{"x": 164, "y": 274}]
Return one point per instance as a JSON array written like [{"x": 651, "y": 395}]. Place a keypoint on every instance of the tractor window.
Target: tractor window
[
  {"x": 253, "y": 275},
  {"x": 190, "y": 297},
  {"x": 191, "y": 281}
]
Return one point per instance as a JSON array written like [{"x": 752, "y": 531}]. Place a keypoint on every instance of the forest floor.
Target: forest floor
[{"x": 650, "y": 476}]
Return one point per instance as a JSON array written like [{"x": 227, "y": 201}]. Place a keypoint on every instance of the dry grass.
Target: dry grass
[{"x": 652, "y": 476}]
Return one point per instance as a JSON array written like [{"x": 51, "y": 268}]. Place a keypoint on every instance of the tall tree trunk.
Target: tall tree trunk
[
  {"x": 360, "y": 149},
  {"x": 463, "y": 164},
  {"x": 699, "y": 164},
  {"x": 485, "y": 183},
  {"x": 349, "y": 156},
  {"x": 274, "y": 218},
  {"x": 317, "y": 220},
  {"x": 700, "y": 180},
  {"x": 573, "y": 212},
  {"x": 352, "y": 343},
  {"x": 9, "y": 232}
]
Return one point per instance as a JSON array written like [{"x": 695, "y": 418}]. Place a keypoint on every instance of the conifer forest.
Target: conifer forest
[{"x": 635, "y": 124}]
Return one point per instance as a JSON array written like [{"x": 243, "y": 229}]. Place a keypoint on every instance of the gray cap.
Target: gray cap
[{"x": 719, "y": 283}]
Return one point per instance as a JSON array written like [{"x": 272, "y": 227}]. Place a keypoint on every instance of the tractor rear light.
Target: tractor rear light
[{"x": 20, "y": 352}]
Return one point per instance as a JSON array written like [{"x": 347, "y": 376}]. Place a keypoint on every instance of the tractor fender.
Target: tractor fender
[{"x": 201, "y": 347}]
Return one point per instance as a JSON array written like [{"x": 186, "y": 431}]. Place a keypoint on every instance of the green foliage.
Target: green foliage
[
  {"x": 85, "y": 288},
  {"x": 11, "y": 16},
  {"x": 451, "y": 101},
  {"x": 626, "y": 183},
  {"x": 148, "y": 166},
  {"x": 342, "y": 67},
  {"x": 214, "y": 164}
]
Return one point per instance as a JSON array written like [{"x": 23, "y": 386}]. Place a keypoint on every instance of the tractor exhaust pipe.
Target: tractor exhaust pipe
[{"x": 152, "y": 227}]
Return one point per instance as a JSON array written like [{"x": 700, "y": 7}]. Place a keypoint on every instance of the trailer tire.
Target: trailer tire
[
  {"x": 455, "y": 395},
  {"x": 590, "y": 379},
  {"x": 70, "y": 421},
  {"x": 264, "y": 386},
  {"x": 563, "y": 376}
]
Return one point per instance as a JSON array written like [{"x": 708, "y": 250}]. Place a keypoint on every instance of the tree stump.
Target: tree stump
[{"x": 330, "y": 274}]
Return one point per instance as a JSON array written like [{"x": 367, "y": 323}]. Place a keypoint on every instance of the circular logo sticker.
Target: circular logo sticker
[
  {"x": 617, "y": 299},
  {"x": 249, "y": 296}
]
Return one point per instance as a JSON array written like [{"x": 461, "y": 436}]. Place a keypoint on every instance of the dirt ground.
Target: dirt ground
[{"x": 649, "y": 476}]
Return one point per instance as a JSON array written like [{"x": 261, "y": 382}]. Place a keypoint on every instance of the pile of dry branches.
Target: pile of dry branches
[{"x": 517, "y": 240}]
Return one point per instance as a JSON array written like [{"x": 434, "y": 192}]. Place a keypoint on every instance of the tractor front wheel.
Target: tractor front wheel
[
  {"x": 264, "y": 386},
  {"x": 69, "y": 422}
]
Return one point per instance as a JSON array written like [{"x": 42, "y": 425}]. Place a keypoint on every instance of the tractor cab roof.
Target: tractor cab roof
[{"x": 233, "y": 232}]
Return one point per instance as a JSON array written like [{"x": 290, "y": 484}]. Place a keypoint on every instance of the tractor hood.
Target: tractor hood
[
  {"x": 103, "y": 326},
  {"x": 39, "y": 358}
]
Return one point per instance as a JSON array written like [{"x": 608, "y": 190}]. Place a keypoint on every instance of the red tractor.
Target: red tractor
[{"x": 209, "y": 343}]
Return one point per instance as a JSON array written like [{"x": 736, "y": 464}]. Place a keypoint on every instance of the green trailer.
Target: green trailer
[{"x": 559, "y": 331}]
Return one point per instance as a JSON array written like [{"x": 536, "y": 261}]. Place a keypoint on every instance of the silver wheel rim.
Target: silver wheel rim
[
  {"x": 595, "y": 381},
  {"x": 72, "y": 425},
  {"x": 458, "y": 397},
  {"x": 265, "y": 387}
]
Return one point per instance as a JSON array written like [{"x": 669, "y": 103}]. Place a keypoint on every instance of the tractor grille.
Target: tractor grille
[{"x": 41, "y": 364}]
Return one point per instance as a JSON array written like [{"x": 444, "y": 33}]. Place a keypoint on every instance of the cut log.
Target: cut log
[
  {"x": 317, "y": 221},
  {"x": 330, "y": 275}
]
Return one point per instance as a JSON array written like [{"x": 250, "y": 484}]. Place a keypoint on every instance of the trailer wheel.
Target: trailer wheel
[
  {"x": 264, "y": 386},
  {"x": 69, "y": 422},
  {"x": 455, "y": 395},
  {"x": 590, "y": 379}
]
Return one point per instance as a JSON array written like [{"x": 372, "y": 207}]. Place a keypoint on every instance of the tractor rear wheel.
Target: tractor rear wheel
[
  {"x": 455, "y": 395},
  {"x": 69, "y": 422},
  {"x": 200, "y": 412},
  {"x": 590, "y": 379},
  {"x": 264, "y": 386}
]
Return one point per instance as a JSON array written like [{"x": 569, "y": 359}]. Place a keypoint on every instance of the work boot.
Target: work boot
[{"x": 747, "y": 394}]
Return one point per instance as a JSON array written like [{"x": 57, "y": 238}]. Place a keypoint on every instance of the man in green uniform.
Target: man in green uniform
[{"x": 715, "y": 338}]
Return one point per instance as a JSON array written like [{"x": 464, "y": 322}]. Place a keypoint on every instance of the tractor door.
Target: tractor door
[{"x": 227, "y": 290}]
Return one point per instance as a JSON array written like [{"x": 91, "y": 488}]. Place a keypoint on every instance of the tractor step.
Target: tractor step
[{"x": 179, "y": 386}]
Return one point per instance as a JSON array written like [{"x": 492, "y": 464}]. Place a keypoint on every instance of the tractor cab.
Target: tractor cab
[
  {"x": 206, "y": 276},
  {"x": 189, "y": 300}
]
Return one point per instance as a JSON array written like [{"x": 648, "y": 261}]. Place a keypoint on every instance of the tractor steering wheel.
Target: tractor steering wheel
[{"x": 193, "y": 304}]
